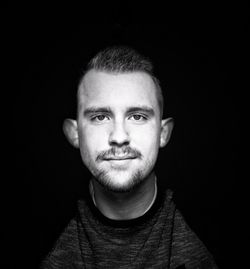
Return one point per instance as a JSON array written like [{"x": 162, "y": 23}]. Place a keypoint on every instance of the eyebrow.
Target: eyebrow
[
  {"x": 93, "y": 110},
  {"x": 143, "y": 109}
]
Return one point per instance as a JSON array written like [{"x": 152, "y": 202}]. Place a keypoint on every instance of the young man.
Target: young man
[{"x": 125, "y": 221}]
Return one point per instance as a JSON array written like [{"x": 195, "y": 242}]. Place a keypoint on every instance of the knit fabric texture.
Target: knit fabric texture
[{"x": 158, "y": 239}]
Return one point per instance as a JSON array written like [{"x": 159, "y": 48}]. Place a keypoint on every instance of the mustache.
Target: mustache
[{"x": 116, "y": 152}]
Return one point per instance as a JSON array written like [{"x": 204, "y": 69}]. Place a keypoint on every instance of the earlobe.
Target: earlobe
[
  {"x": 71, "y": 132},
  {"x": 167, "y": 126}
]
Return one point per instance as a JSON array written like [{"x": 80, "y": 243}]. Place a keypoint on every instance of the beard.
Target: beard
[
  {"x": 132, "y": 179},
  {"x": 106, "y": 181},
  {"x": 119, "y": 179}
]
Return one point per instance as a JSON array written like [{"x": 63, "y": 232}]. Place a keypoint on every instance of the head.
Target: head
[{"x": 119, "y": 127}]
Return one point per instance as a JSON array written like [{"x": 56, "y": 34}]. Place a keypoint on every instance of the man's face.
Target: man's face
[{"x": 119, "y": 127}]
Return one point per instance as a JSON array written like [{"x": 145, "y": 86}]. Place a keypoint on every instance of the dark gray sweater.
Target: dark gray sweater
[{"x": 159, "y": 239}]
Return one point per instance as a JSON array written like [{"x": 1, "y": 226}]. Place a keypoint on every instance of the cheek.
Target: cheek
[
  {"x": 92, "y": 141},
  {"x": 148, "y": 140}
]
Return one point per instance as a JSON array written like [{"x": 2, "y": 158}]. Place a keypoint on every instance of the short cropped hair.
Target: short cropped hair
[{"x": 122, "y": 59}]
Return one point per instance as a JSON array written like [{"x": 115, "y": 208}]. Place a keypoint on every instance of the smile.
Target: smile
[
  {"x": 119, "y": 163},
  {"x": 119, "y": 158}
]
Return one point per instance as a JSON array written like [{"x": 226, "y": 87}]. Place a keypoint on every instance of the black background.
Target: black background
[{"x": 200, "y": 59}]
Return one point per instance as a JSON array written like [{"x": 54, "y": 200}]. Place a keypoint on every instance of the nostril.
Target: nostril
[
  {"x": 119, "y": 140},
  {"x": 119, "y": 135},
  {"x": 119, "y": 144}
]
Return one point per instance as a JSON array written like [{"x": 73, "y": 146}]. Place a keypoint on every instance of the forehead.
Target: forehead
[{"x": 111, "y": 89}]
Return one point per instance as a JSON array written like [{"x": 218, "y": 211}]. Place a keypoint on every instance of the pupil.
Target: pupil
[{"x": 101, "y": 117}]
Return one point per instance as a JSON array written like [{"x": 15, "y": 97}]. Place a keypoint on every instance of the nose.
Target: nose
[{"x": 119, "y": 135}]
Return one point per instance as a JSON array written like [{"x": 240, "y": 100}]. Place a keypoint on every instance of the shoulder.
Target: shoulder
[
  {"x": 187, "y": 248},
  {"x": 64, "y": 250}
]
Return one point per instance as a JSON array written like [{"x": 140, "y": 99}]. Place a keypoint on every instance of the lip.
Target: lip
[
  {"x": 119, "y": 163},
  {"x": 119, "y": 158}
]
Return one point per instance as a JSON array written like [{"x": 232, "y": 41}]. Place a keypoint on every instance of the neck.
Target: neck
[{"x": 124, "y": 206}]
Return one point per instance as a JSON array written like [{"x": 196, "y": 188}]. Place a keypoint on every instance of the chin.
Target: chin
[{"x": 126, "y": 182}]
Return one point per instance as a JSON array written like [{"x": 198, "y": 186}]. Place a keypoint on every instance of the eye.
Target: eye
[
  {"x": 138, "y": 117},
  {"x": 100, "y": 118}
]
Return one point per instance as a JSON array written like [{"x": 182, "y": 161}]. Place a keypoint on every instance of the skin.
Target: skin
[{"x": 119, "y": 132}]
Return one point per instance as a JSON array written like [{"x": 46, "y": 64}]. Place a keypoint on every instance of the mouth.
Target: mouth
[
  {"x": 119, "y": 158},
  {"x": 119, "y": 163},
  {"x": 116, "y": 155}
]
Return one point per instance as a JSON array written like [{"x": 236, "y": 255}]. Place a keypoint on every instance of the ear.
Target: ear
[
  {"x": 71, "y": 132},
  {"x": 167, "y": 126}
]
